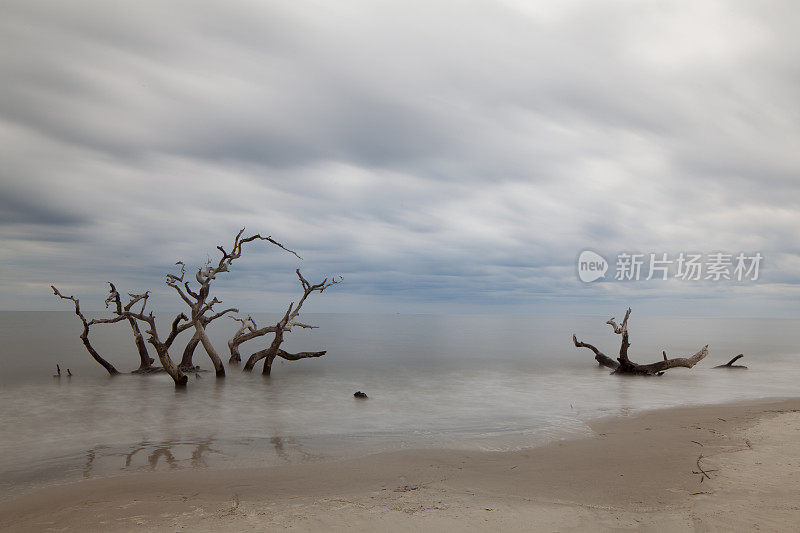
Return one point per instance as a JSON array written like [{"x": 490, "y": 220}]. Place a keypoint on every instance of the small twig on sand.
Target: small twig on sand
[
  {"x": 703, "y": 473},
  {"x": 700, "y": 443}
]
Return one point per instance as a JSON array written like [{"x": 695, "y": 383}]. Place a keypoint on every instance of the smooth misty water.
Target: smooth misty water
[{"x": 477, "y": 382}]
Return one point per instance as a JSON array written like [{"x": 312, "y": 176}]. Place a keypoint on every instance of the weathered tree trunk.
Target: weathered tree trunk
[
  {"x": 219, "y": 368},
  {"x": 255, "y": 358},
  {"x": 252, "y": 360},
  {"x": 105, "y": 364},
  {"x": 145, "y": 361},
  {"x": 170, "y": 367},
  {"x": 272, "y": 351},
  {"x": 162, "y": 348},
  {"x": 267, "y": 370},
  {"x": 273, "y": 347},
  {"x": 623, "y": 365},
  {"x": 188, "y": 353},
  {"x": 236, "y": 357}
]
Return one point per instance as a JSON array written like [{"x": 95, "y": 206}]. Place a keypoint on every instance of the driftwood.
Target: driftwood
[
  {"x": 179, "y": 325},
  {"x": 704, "y": 473},
  {"x": 623, "y": 365},
  {"x": 186, "y": 363},
  {"x": 201, "y": 306},
  {"x": 125, "y": 313},
  {"x": 248, "y": 330},
  {"x": 730, "y": 364},
  {"x": 85, "y": 334},
  {"x": 145, "y": 361},
  {"x": 285, "y": 324}
]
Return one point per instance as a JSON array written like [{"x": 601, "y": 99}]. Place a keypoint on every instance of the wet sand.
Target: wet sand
[{"x": 637, "y": 472}]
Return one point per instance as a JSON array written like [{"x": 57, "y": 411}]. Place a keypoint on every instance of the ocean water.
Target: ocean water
[{"x": 470, "y": 382}]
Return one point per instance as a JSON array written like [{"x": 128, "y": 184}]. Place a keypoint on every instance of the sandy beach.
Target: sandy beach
[{"x": 637, "y": 472}]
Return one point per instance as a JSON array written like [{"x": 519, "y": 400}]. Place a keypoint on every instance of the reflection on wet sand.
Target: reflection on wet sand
[
  {"x": 171, "y": 451},
  {"x": 182, "y": 453}
]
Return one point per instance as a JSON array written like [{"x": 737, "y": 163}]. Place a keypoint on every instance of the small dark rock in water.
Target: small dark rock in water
[{"x": 361, "y": 395}]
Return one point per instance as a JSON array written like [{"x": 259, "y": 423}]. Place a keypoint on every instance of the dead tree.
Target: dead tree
[
  {"x": 145, "y": 361},
  {"x": 125, "y": 313},
  {"x": 180, "y": 324},
  {"x": 198, "y": 301},
  {"x": 730, "y": 364},
  {"x": 202, "y": 314},
  {"x": 162, "y": 347},
  {"x": 623, "y": 365},
  {"x": 85, "y": 333},
  {"x": 285, "y": 324}
]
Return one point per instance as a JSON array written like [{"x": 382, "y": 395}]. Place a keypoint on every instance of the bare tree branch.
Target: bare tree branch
[
  {"x": 730, "y": 364},
  {"x": 666, "y": 364},
  {"x": 299, "y": 355},
  {"x": 85, "y": 333},
  {"x": 601, "y": 358}
]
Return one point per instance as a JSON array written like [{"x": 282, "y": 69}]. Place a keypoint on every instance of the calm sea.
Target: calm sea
[{"x": 475, "y": 382}]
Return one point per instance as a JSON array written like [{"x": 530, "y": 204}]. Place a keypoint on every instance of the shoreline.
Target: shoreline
[{"x": 635, "y": 472}]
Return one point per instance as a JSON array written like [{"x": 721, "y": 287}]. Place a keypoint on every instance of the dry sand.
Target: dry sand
[{"x": 636, "y": 473}]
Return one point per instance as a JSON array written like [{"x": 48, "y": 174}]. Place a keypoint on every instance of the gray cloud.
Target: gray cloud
[
  {"x": 23, "y": 209},
  {"x": 441, "y": 157}
]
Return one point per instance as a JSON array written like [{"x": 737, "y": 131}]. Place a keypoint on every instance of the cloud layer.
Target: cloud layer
[{"x": 442, "y": 157}]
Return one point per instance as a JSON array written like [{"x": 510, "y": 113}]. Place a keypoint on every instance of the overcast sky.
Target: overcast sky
[{"x": 441, "y": 156}]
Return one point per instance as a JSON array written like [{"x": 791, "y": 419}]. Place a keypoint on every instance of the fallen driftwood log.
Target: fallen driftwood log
[
  {"x": 623, "y": 365},
  {"x": 730, "y": 364}
]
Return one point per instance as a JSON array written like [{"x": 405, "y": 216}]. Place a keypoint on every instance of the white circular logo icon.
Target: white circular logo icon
[{"x": 591, "y": 266}]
